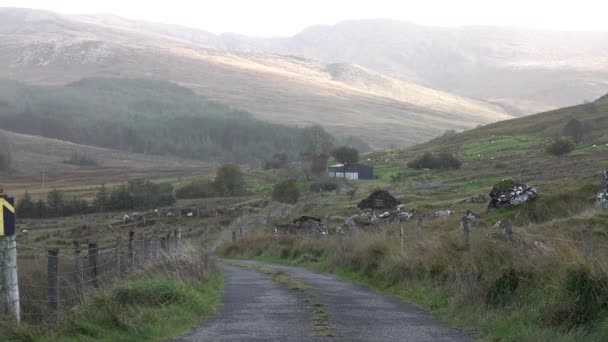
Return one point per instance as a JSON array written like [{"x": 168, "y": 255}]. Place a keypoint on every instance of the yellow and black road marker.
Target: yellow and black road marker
[{"x": 7, "y": 216}]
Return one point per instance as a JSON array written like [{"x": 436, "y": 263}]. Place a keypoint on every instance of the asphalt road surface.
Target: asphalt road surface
[{"x": 255, "y": 308}]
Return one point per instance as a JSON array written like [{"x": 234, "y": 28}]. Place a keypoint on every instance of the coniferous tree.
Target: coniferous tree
[
  {"x": 26, "y": 207},
  {"x": 100, "y": 203}
]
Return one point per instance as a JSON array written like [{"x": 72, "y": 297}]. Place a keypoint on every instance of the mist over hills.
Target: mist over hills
[
  {"x": 524, "y": 70},
  {"x": 47, "y": 48},
  {"x": 388, "y": 82}
]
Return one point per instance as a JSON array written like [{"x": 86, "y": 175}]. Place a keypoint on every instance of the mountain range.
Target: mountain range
[{"x": 388, "y": 82}]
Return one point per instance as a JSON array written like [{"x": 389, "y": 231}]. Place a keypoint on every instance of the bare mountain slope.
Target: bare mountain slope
[
  {"x": 46, "y": 48},
  {"x": 524, "y": 70}
]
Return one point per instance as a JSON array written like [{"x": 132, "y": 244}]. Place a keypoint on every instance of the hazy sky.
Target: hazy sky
[{"x": 287, "y": 17}]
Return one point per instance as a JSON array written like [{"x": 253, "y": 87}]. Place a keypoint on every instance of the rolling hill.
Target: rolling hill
[
  {"x": 524, "y": 70},
  {"x": 46, "y": 48},
  {"x": 33, "y": 154}
]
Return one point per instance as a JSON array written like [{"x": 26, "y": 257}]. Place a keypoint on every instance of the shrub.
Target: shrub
[
  {"x": 585, "y": 296},
  {"x": 230, "y": 180},
  {"x": 199, "y": 188},
  {"x": 286, "y": 192},
  {"x": 428, "y": 160},
  {"x": 560, "y": 147},
  {"x": 345, "y": 155},
  {"x": 278, "y": 161}
]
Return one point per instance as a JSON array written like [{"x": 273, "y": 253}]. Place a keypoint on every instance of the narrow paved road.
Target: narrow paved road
[{"x": 257, "y": 309}]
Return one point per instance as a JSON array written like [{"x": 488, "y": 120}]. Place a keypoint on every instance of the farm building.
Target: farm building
[{"x": 353, "y": 171}]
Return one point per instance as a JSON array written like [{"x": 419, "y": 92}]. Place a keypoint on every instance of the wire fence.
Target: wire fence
[{"x": 52, "y": 281}]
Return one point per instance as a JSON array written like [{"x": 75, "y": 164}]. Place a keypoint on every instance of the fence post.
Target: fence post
[
  {"x": 178, "y": 237},
  {"x": 145, "y": 251},
  {"x": 508, "y": 227},
  {"x": 93, "y": 264},
  {"x": 467, "y": 230},
  {"x": 233, "y": 237},
  {"x": 401, "y": 236},
  {"x": 163, "y": 245},
  {"x": 170, "y": 244},
  {"x": 174, "y": 233},
  {"x": 150, "y": 255},
  {"x": 118, "y": 257},
  {"x": 587, "y": 243},
  {"x": 79, "y": 273},
  {"x": 131, "y": 251},
  {"x": 9, "y": 283},
  {"x": 53, "y": 283},
  {"x": 419, "y": 219}
]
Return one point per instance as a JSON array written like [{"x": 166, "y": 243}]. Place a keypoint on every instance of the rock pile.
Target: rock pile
[
  {"x": 602, "y": 195},
  {"x": 304, "y": 224},
  {"x": 379, "y": 200},
  {"x": 508, "y": 193},
  {"x": 442, "y": 214}
]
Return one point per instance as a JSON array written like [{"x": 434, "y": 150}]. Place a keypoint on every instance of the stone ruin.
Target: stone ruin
[
  {"x": 602, "y": 195},
  {"x": 379, "y": 200},
  {"x": 508, "y": 193}
]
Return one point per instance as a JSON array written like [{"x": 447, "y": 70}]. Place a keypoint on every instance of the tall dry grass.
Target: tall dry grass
[{"x": 546, "y": 274}]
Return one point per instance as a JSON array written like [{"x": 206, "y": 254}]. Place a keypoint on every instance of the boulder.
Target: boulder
[
  {"x": 471, "y": 216},
  {"x": 508, "y": 193},
  {"x": 359, "y": 221},
  {"x": 379, "y": 200},
  {"x": 403, "y": 216},
  {"x": 602, "y": 195}
]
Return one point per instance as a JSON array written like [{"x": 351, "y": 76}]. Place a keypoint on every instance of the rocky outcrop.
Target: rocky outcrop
[
  {"x": 602, "y": 195},
  {"x": 379, "y": 200},
  {"x": 508, "y": 193}
]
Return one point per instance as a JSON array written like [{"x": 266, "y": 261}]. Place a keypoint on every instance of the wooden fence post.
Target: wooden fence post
[
  {"x": 9, "y": 284},
  {"x": 53, "y": 283},
  {"x": 508, "y": 227},
  {"x": 174, "y": 233},
  {"x": 178, "y": 239},
  {"x": 419, "y": 219},
  {"x": 587, "y": 243},
  {"x": 401, "y": 233},
  {"x": 131, "y": 251},
  {"x": 93, "y": 264},
  {"x": 79, "y": 272},
  {"x": 145, "y": 251},
  {"x": 467, "y": 230},
  {"x": 118, "y": 257},
  {"x": 233, "y": 237},
  {"x": 163, "y": 245}
]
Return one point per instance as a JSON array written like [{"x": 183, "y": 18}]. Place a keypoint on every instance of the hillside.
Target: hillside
[
  {"x": 145, "y": 116},
  {"x": 509, "y": 149},
  {"x": 525, "y": 70},
  {"x": 32, "y": 154},
  {"x": 46, "y": 48}
]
